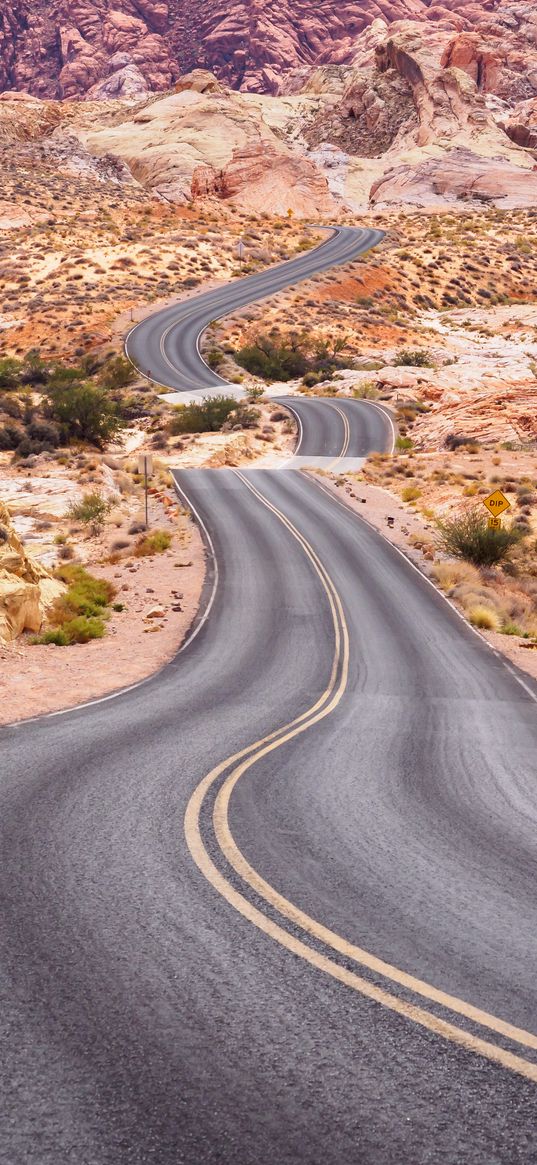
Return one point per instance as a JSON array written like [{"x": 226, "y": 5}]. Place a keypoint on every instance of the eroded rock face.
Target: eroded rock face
[
  {"x": 204, "y": 141},
  {"x": 68, "y": 48},
  {"x": 457, "y": 175},
  {"x": 27, "y": 590},
  {"x": 520, "y": 124}
]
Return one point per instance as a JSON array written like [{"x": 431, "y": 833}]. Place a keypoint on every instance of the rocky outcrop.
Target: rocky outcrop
[
  {"x": 27, "y": 590},
  {"x": 259, "y": 176},
  {"x": 458, "y": 175},
  {"x": 204, "y": 141},
  {"x": 126, "y": 83},
  {"x": 520, "y": 124},
  {"x": 66, "y": 48}
]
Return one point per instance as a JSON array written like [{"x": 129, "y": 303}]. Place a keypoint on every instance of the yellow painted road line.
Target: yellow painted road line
[
  {"x": 346, "y": 435},
  {"x": 248, "y": 756}
]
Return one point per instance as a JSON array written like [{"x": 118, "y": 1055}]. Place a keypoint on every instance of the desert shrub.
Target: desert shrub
[
  {"x": 469, "y": 536},
  {"x": 311, "y": 379},
  {"x": 411, "y": 493},
  {"x": 66, "y": 551},
  {"x": 244, "y": 415},
  {"x": 450, "y": 574},
  {"x": 511, "y": 629},
  {"x": 60, "y": 375},
  {"x": 457, "y": 440},
  {"x": 274, "y": 357},
  {"x": 131, "y": 408},
  {"x": 11, "y": 406},
  {"x": 10, "y": 370},
  {"x": 213, "y": 357},
  {"x": 413, "y": 358},
  {"x": 365, "y": 391},
  {"x": 34, "y": 370},
  {"x": 85, "y": 595},
  {"x": 272, "y": 360},
  {"x": 91, "y": 510},
  {"x": 485, "y": 618},
  {"x": 118, "y": 372},
  {"x": 44, "y": 433},
  {"x": 10, "y": 437},
  {"x": 403, "y": 443},
  {"x": 81, "y": 629},
  {"x": 84, "y": 413},
  {"x": 206, "y": 417},
  {"x": 153, "y": 543}
]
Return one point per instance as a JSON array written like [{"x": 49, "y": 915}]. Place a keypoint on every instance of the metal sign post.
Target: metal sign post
[{"x": 145, "y": 469}]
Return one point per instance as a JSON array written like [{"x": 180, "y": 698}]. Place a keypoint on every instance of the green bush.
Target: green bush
[
  {"x": 413, "y": 358},
  {"x": 78, "y": 630},
  {"x": 118, "y": 372},
  {"x": 206, "y": 417},
  {"x": 10, "y": 371},
  {"x": 403, "y": 443},
  {"x": 83, "y": 412},
  {"x": 297, "y": 354},
  {"x": 469, "y": 536},
  {"x": 153, "y": 543},
  {"x": 311, "y": 379},
  {"x": 411, "y": 493},
  {"x": 271, "y": 360},
  {"x": 85, "y": 595},
  {"x": 10, "y": 437},
  {"x": 91, "y": 510}
]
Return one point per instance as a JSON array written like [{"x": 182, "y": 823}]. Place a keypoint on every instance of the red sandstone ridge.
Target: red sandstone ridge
[{"x": 67, "y": 48}]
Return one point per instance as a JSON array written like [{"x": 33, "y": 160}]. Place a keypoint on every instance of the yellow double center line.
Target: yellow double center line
[
  {"x": 239, "y": 764},
  {"x": 346, "y": 435}
]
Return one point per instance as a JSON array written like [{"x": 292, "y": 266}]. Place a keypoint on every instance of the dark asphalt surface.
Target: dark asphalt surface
[
  {"x": 143, "y": 1019},
  {"x": 328, "y": 428},
  {"x": 166, "y": 343}
]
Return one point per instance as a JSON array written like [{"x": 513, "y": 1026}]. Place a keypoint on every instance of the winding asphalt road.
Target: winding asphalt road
[
  {"x": 338, "y": 434},
  {"x": 277, "y": 904},
  {"x": 165, "y": 345}
]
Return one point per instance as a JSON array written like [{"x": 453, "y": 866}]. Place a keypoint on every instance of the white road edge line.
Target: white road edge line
[
  {"x": 300, "y": 431},
  {"x": 498, "y": 654},
  {"x": 140, "y": 683}
]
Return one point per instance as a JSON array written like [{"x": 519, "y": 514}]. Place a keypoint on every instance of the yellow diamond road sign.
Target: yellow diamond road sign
[{"x": 496, "y": 503}]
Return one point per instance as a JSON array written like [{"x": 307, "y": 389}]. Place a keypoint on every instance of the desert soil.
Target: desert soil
[
  {"x": 36, "y": 679},
  {"x": 409, "y": 533}
]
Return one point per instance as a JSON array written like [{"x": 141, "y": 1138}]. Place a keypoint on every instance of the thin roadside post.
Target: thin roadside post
[{"x": 145, "y": 468}]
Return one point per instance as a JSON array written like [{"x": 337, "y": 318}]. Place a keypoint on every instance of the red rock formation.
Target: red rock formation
[{"x": 57, "y": 48}]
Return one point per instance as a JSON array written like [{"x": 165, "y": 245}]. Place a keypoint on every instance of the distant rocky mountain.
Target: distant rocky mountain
[{"x": 125, "y": 48}]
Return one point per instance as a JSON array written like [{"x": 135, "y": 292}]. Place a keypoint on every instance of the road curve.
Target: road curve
[
  {"x": 161, "y": 1005},
  {"x": 338, "y": 434},
  {"x": 166, "y": 343},
  {"x": 278, "y": 902}
]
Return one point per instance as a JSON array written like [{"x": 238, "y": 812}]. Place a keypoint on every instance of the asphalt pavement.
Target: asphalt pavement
[
  {"x": 165, "y": 346},
  {"x": 277, "y": 903}
]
